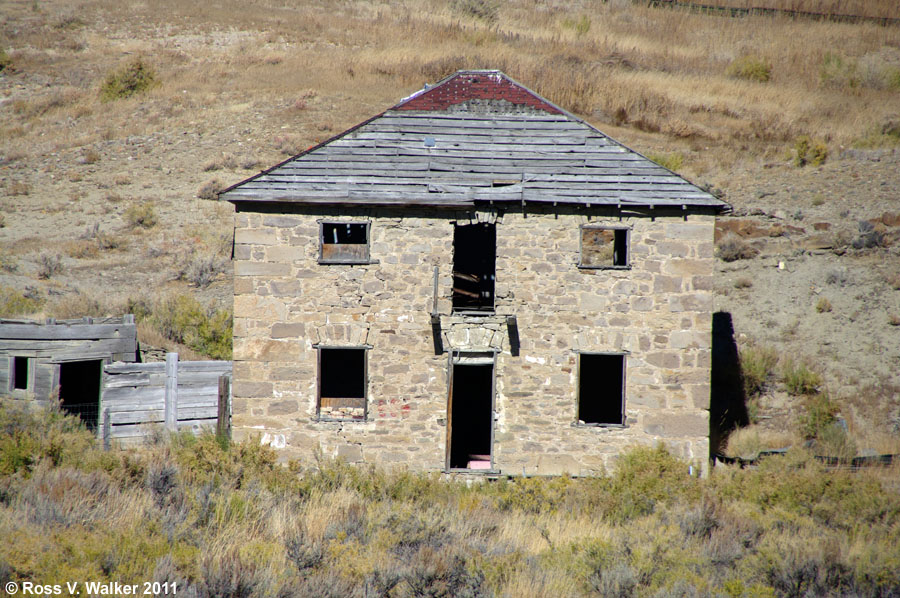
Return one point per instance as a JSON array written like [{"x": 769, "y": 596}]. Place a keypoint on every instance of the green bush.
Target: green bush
[
  {"x": 750, "y": 68},
  {"x": 819, "y": 414},
  {"x": 141, "y": 215},
  {"x": 135, "y": 77},
  {"x": 183, "y": 319},
  {"x": 16, "y": 303},
  {"x": 757, "y": 364},
  {"x": 807, "y": 151},
  {"x": 5, "y": 60},
  {"x": 798, "y": 378},
  {"x": 673, "y": 161},
  {"x": 838, "y": 72},
  {"x": 580, "y": 26},
  {"x": 29, "y": 435}
]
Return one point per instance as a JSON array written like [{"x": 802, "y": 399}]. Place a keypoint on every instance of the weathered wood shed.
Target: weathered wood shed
[
  {"x": 473, "y": 280},
  {"x": 64, "y": 359}
]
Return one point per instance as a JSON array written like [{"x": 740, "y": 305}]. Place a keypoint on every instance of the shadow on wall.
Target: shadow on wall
[{"x": 728, "y": 403}]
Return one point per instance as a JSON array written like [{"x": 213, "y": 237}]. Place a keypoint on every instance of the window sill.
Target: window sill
[
  {"x": 583, "y": 267},
  {"x": 472, "y": 471},
  {"x": 347, "y": 262},
  {"x": 358, "y": 420},
  {"x": 612, "y": 426},
  {"x": 472, "y": 312}
]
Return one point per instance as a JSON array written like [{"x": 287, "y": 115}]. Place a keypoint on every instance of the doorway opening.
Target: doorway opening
[
  {"x": 79, "y": 390},
  {"x": 471, "y": 416}
]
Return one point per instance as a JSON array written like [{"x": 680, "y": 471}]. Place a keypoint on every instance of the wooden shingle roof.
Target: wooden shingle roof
[{"x": 474, "y": 137}]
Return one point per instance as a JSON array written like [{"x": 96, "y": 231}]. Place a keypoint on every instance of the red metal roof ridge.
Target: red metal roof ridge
[{"x": 495, "y": 85}]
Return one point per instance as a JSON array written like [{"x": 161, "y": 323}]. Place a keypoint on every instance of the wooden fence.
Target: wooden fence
[{"x": 137, "y": 396}]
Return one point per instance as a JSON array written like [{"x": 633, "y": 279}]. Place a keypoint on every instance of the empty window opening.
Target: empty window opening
[
  {"x": 471, "y": 416},
  {"x": 20, "y": 368},
  {"x": 474, "y": 263},
  {"x": 344, "y": 242},
  {"x": 79, "y": 390},
  {"x": 342, "y": 383},
  {"x": 601, "y": 389},
  {"x": 604, "y": 247}
]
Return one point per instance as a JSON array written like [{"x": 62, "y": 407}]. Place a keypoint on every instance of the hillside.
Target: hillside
[{"x": 101, "y": 209}]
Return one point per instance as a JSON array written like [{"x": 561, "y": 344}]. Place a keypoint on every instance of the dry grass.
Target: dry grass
[
  {"x": 149, "y": 336},
  {"x": 655, "y": 70},
  {"x": 867, "y": 8}
]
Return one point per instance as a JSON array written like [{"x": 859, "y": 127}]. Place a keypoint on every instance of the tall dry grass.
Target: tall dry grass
[
  {"x": 653, "y": 70},
  {"x": 226, "y": 520}
]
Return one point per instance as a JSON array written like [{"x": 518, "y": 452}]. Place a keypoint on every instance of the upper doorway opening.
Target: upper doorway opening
[{"x": 474, "y": 267}]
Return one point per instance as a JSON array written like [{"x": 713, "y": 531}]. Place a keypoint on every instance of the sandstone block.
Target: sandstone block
[
  {"x": 244, "y": 388},
  {"x": 285, "y": 407},
  {"x": 675, "y": 425},
  {"x": 261, "y": 269},
  {"x": 288, "y": 330},
  {"x": 351, "y": 453},
  {"x": 282, "y": 221},
  {"x": 248, "y": 236}
]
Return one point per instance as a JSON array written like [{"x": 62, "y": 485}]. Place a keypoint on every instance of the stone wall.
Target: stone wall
[{"x": 658, "y": 311}]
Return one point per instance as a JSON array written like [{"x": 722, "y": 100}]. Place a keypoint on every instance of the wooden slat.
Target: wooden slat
[
  {"x": 345, "y": 402},
  {"x": 61, "y": 332}
]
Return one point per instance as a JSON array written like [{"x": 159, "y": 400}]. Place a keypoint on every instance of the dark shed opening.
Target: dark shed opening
[{"x": 79, "y": 390}]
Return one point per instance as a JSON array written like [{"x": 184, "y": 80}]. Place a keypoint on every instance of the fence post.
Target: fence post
[
  {"x": 223, "y": 420},
  {"x": 107, "y": 432},
  {"x": 171, "y": 391}
]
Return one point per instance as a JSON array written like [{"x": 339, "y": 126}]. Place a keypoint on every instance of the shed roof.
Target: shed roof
[{"x": 474, "y": 137}]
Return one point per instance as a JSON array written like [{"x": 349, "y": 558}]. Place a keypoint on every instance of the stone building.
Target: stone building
[{"x": 474, "y": 280}]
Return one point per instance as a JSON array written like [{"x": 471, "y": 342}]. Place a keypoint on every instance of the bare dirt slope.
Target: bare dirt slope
[{"x": 100, "y": 199}]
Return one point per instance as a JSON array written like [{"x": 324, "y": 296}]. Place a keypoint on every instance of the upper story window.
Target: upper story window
[
  {"x": 474, "y": 267},
  {"x": 605, "y": 247},
  {"x": 344, "y": 242}
]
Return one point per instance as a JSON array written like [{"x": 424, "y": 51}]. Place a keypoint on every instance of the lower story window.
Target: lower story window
[
  {"x": 342, "y": 383},
  {"x": 601, "y": 388}
]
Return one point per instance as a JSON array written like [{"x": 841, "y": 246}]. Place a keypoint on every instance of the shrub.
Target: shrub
[
  {"x": 8, "y": 263},
  {"x": 732, "y": 248},
  {"x": 183, "y": 319},
  {"x": 484, "y": 10},
  {"x": 743, "y": 283},
  {"x": 673, "y": 161},
  {"x": 757, "y": 364},
  {"x": 16, "y": 303},
  {"x": 798, "y": 378},
  {"x": 823, "y": 305},
  {"x": 819, "y": 412},
  {"x": 49, "y": 266},
  {"x": 141, "y": 215},
  {"x": 580, "y": 26},
  {"x": 210, "y": 189},
  {"x": 750, "y": 68},
  {"x": 838, "y": 72},
  {"x": 807, "y": 151},
  {"x": 200, "y": 270},
  {"x": 135, "y": 77},
  {"x": 5, "y": 60}
]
